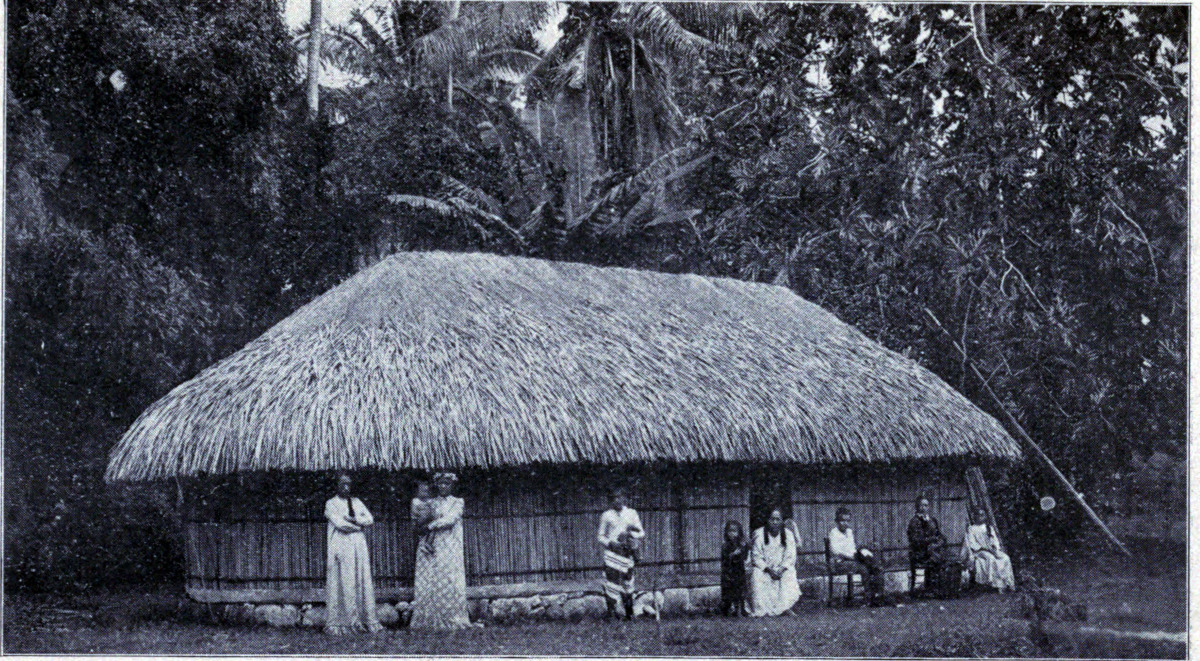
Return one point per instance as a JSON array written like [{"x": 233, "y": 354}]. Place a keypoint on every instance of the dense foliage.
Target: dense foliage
[{"x": 1016, "y": 173}]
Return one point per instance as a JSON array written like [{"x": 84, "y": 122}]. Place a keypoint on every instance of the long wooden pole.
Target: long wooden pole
[
  {"x": 455, "y": 7},
  {"x": 315, "y": 24},
  {"x": 1024, "y": 436}
]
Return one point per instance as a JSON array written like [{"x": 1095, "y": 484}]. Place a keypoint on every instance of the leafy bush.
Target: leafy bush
[{"x": 94, "y": 330}]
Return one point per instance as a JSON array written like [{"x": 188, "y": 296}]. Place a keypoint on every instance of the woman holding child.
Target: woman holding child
[{"x": 440, "y": 581}]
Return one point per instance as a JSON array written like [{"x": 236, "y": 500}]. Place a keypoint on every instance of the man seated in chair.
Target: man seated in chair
[
  {"x": 926, "y": 544},
  {"x": 849, "y": 558}
]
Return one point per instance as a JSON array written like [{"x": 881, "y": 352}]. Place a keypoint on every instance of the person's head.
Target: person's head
[
  {"x": 617, "y": 497},
  {"x": 978, "y": 516},
  {"x": 423, "y": 490},
  {"x": 733, "y": 531},
  {"x": 922, "y": 504},
  {"x": 345, "y": 485},
  {"x": 843, "y": 518},
  {"x": 775, "y": 521},
  {"x": 444, "y": 483}
]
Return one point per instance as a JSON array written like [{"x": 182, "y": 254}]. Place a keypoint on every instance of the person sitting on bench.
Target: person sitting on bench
[{"x": 845, "y": 551}]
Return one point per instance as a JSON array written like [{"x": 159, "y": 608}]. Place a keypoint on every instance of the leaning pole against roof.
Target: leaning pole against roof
[
  {"x": 541, "y": 383},
  {"x": 1024, "y": 436}
]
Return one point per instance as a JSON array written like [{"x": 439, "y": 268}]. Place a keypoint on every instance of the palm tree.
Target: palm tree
[
  {"x": 445, "y": 43},
  {"x": 467, "y": 50},
  {"x": 611, "y": 82}
]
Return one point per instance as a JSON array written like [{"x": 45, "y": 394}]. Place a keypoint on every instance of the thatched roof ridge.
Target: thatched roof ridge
[{"x": 431, "y": 360}]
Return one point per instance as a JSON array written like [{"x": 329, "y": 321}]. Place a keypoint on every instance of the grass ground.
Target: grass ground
[{"x": 1146, "y": 595}]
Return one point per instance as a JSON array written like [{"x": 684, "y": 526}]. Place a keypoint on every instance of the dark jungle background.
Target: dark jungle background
[{"x": 1020, "y": 171}]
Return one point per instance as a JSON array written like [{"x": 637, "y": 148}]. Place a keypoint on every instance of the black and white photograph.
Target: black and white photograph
[{"x": 596, "y": 329}]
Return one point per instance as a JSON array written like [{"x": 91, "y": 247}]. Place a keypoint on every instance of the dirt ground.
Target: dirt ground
[{"x": 1146, "y": 595}]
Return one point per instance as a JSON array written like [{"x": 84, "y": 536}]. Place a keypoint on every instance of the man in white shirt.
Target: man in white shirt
[
  {"x": 620, "y": 532},
  {"x": 844, "y": 551}
]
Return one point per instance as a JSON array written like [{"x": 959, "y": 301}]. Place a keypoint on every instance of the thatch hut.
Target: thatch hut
[{"x": 539, "y": 381}]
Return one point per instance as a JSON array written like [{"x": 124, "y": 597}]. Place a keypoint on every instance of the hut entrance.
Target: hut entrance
[{"x": 767, "y": 491}]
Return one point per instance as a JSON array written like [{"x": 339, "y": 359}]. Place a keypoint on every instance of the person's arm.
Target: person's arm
[
  {"x": 363, "y": 515},
  {"x": 757, "y": 558},
  {"x": 790, "y": 553},
  {"x": 603, "y": 534},
  {"x": 994, "y": 541},
  {"x": 923, "y": 536},
  {"x": 790, "y": 524},
  {"x": 988, "y": 543},
  {"x": 938, "y": 537},
  {"x": 915, "y": 538},
  {"x": 451, "y": 517},
  {"x": 334, "y": 515},
  {"x": 636, "y": 530}
]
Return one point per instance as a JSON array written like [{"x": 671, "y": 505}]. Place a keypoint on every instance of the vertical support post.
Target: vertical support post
[{"x": 681, "y": 547}]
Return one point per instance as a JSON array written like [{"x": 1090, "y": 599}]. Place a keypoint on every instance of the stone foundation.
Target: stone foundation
[{"x": 568, "y": 606}]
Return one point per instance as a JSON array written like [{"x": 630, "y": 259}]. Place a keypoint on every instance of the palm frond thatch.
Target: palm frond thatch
[{"x": 430, "y": 360}]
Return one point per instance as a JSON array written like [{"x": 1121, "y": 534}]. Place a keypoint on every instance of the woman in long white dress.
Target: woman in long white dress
[
  {"x": 982, "y": 554},
  {"x": 349, "y": 590},
  {"x": 774, "y": 587},
  {"x": 440, "y": 582}
]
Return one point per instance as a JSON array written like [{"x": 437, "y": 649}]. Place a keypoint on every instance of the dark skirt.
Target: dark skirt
[{"x": 733, "y": 589}]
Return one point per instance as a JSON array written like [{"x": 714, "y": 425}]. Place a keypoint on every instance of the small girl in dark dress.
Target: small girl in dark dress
[{"x": 733, "y": 570}]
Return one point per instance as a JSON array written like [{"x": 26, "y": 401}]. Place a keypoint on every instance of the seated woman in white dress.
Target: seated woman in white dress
[
  {"x": 982, "y": 554},
  {"x": 774, "y": 588}
]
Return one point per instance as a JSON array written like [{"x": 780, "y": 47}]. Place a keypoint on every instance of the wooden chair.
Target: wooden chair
[
  {"x": 832, "y": 569},
  {"x": 913, "y": 566},
  {"x": 924, "y": 567}
]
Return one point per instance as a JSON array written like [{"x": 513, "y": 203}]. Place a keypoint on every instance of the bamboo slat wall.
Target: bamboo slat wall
[
  {"x": 543, "y": 527},
  {"x": 881, "y": 504}
]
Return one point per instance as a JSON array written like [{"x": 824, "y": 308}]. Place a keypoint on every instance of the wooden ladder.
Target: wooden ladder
[{"x": 979, "y": 498}]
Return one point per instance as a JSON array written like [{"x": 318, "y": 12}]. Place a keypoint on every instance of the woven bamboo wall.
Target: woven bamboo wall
[
  {"x": 881, "y": 503},
  {"x": 529, "y": 527}
]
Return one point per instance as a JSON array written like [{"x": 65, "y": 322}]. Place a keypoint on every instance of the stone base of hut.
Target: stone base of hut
[{"x": 576, "y": 603}]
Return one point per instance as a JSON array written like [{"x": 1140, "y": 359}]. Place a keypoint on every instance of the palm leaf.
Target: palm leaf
[
  {"x": 653, "y": 23},
  {"x": 720, "y": 21}
]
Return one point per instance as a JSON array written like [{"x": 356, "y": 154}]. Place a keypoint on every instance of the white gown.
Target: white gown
[
  {"x": 768, "y": 596},
  {"x": 982, "y": 555},
  {"x": 349, "y": 590}
]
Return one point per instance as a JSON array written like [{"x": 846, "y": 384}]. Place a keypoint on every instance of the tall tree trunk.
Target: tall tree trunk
[
  {"x": 455, "y": 7},
  {"x": 315, "y": 25}
]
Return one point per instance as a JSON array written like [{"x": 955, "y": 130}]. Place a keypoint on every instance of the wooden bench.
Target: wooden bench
[{"x": 851, "y": 570}]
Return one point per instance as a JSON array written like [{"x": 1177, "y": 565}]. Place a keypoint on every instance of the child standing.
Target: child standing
[
  {"x": 422, "y": 514},
  {"x": 733, "y": 570}
]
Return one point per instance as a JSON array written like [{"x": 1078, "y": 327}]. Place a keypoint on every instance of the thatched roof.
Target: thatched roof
[{"x": 430, "y": 360}]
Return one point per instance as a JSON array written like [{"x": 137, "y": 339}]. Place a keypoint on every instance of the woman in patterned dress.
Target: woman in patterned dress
[{"x": 440, "y": 583}]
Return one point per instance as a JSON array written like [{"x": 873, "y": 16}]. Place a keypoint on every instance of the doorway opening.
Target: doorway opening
[{"x": 767, "y": 491}]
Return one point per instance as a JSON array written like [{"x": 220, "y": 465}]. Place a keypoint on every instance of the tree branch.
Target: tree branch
[{"x": 1145, "y": 239}]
